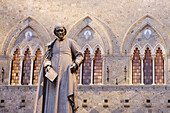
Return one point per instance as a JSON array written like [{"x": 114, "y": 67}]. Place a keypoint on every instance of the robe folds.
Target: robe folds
[{"x": 52, "y": 97}]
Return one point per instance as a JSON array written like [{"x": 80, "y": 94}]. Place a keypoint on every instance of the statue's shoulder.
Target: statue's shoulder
[
  {"x": 50, "y": 43},
  {"x": 71, "y": 40}
]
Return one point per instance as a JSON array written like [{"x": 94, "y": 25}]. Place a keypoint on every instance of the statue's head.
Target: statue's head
[{"x": 60, "y": 32}]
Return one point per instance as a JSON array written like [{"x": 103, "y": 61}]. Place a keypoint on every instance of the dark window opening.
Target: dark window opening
[
  {"x": 85, "y": 100},
  {"x": 148, "y": 101},
  {"x": 2, "y": 101}
]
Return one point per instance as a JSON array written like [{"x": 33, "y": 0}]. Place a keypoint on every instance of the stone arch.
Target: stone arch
[
  {"x": 85, "y": 47},
  {"x": 138, "y": 26},
  {"x": 25, "y": 49},
  {"x": 101, "y": 49},
  {"x": 159, "y": 46},
  {"x": 145, "y": 47},
  {"x": 21, "y": 26},
  {"x": 134, "y": 47},
  {"x": 97, "y": 27},
  {"x": 36, "y": 48},
  {"x": 14, "y": 49}
]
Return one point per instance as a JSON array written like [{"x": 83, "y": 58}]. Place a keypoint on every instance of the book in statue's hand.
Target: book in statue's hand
[{"x": 51, "y": 74}]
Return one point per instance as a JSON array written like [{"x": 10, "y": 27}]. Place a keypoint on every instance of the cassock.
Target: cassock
[{"x": 52, "y": 97}]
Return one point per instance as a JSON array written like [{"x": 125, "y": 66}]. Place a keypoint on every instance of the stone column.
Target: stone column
[
  {"x": 21, "y": 67},
  {"x": 32, "y": 69},
  {"x": 81, "y": 72},
  {"x": 10, "y": 69},
  {"x": 153, "y": 68},
  {"x": 131, "y": 69},
  {"x": 103, "y": 65},
  {"x": 92, "y": 60},
  {"x": 142, "y": 74}
]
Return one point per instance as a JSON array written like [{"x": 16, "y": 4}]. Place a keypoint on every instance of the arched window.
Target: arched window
[
  {"x": 136, "y": 67},
  {"x": 26, "y": 68},
  {"x": 86, "y": 75},
  {"x": 159, "y": 67},
  {"x": 37, "y": 66},
  {"x": 15, "y": 76},
  {"x": 97, "y": 68},
  {"x": 78, "y": 76},
  {"x": 148, "y": 67}
]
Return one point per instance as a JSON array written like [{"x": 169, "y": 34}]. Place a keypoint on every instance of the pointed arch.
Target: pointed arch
[
  {"x": 15, "y": 68},
  {"x": 134, "y": 48},
  {"x": 26, "y": 67},
  {"x": 145, "y": 48},
  {"x": 159, "y": 67},
  {"x": 138, "y": 26},
  {"x": 86, "y": 68},
  {"x": 159, "y": 46},
  {"x": 97, "y": 27},
  {"x": 36, "y": 48},
  {"x": 14, "y": 49},
  {"x": 148, "y": 67},
  {"x": 101, "y": 49},
  {"x": 19, "y": 28},
  {"x": 136, "y": 66},
  {"x": 97, "y": 66},
  {"x": 25, "y": 49},
  {"x": 89, "y": 48},
  {"x": 36, "y": 65}
]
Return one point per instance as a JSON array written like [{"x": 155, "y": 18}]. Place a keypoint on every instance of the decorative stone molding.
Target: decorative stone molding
[
  {"x": 14, "y": 33},
  {"x": 138, "y": 26}
]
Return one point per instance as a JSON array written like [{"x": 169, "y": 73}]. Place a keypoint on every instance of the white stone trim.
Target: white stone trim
[
  {"x": 25, "y": 49},
  {"x": 142, "y": 74},
  {"x": 92, "y": 67},
  {"x": 14, "y": 49},
  {"x": 81, "y": 74},
  {"x": 36, "y": 48},
  {"x": 10, "y": 69},
  {"x": 21, "y": 68},
  {"x": 32, "y": 69},
  {"x": 153, "y": 69},
  {"x": 130, "y": 72},
  {"x": 103, "y": 65},
  {"x": 159, "y": 46},
  {"x": 134, "y": 47},
  {"x": 89, "y": 48},
  {"x": 100, "y": 48},
  {"x": 147, "y": 46}
]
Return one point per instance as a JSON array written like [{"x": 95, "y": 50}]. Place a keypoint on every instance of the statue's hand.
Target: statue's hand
[
  {"x": 73, "y": 67},
  {"x": 47, "y": 68}
]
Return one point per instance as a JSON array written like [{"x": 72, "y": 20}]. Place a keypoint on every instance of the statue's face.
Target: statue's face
[{"x": 60, "y": 32}]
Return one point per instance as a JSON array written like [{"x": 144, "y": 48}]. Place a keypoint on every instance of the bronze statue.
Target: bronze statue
[{"x": 58, "y": 95}]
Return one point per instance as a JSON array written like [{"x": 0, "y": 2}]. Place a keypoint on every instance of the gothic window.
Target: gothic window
[
  {"x": 15, "y": 76},
  {"x": 86, "y": 68},
  {"x": 97, "y": 68},
  {"x": 136, "y": 67},
  {"x": 148, "y": 67},
  {"x": 26, "y": 68},
  {"x": 159, "y": 67},
  {"x": 37, "y": 66},
  {"x": 78, "y": 76}
]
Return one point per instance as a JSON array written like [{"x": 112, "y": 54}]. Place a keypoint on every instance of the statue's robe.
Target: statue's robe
[{"x": 52, "y": 97}]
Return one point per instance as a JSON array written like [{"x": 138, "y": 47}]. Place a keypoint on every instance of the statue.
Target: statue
[{"x": 63, "y": 56}]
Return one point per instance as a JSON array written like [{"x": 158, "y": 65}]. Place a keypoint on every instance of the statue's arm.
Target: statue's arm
[{"x": 77, "y": 53}]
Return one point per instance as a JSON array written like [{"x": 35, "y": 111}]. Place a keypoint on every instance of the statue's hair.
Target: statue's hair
[{"x": 62, "y": 27}]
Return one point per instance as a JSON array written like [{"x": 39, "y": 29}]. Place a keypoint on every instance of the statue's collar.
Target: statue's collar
[{"x": 50, "y": 43}]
